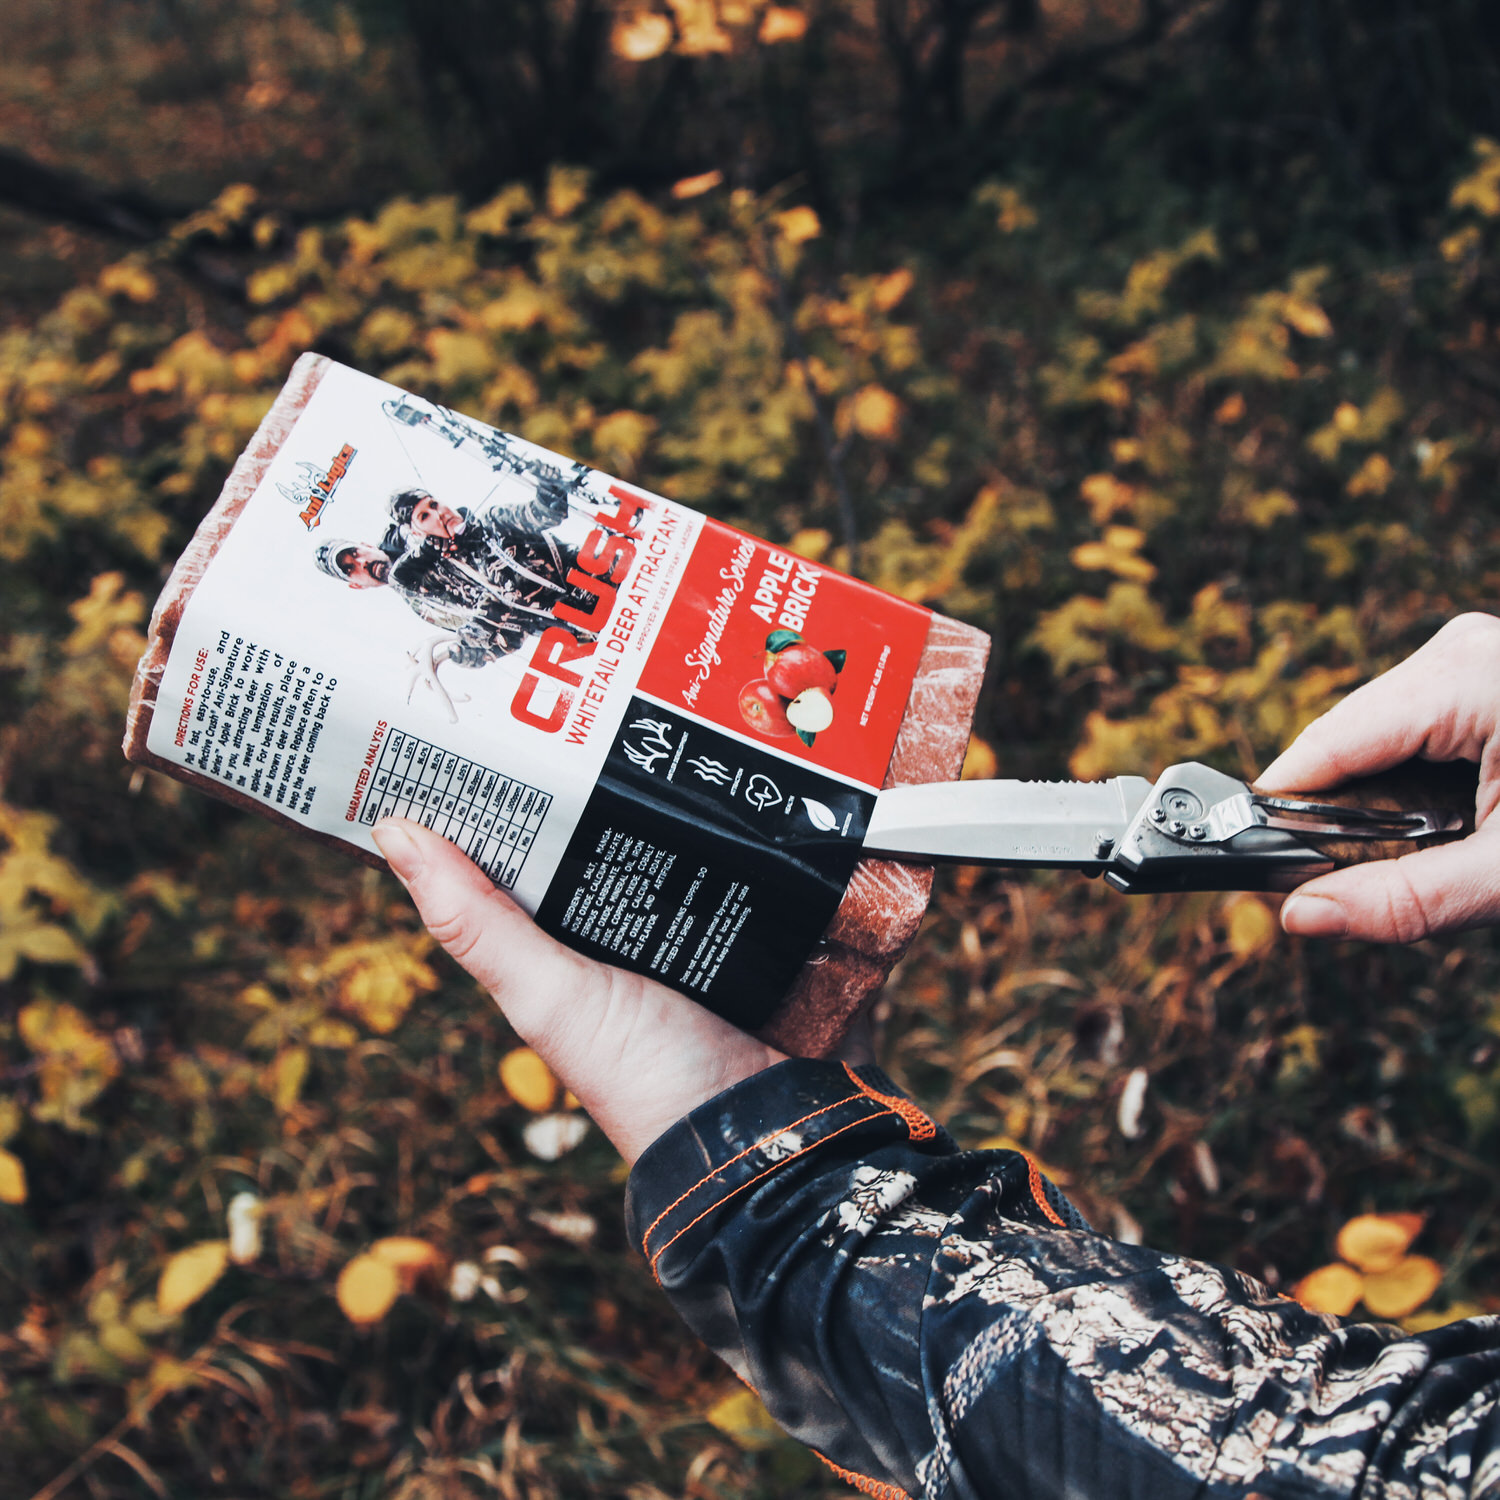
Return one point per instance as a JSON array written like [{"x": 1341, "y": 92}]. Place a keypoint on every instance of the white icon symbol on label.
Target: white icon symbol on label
[
  {"x": 820, "y": 816},
  {"x": 705, "y": 768},
  {"x": 762, "y": 793},
  {"x": 654, "y": 745}
]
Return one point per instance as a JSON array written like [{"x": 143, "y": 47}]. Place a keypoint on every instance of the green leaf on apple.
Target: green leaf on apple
[
  {"x": 806, "y": 738},
  {"x": 838, "y": 658},
  {"x": 779, "y": 640}
]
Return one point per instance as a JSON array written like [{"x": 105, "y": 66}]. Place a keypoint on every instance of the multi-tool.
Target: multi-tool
[{"x": 1193, "y": 829}]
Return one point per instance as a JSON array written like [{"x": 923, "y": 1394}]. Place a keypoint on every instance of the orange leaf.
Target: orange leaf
[
  {"x": 876, "y": 412},
  {"x": 528, "y": 1080},
  {"x": 783, "y": 24},
  {"x": 695, "y": 187},
  {"x": 1332, "y": 1289},
  {"x": 367, "y": 1287},
  {"x": 799, "y": 224},
  {"x": 1404, "y": 1288},
  {"x": 1377, "y": 1242},
  {"x": 642, "y": 37}
]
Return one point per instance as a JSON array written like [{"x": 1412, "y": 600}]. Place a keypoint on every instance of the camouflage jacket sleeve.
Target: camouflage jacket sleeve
[{"x": 943, "y": 1324}]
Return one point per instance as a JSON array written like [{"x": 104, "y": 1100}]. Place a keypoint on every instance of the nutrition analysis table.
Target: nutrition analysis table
[{"x": 493, "y": 818}]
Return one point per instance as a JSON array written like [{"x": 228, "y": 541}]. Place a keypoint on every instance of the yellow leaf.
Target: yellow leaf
[
  {"x": 798, "y": 224},
  {"x": 78, "y": 1063},
  {"x": 367, "y": 1287},
  {"x": 528, "y": 1080},
  {"x": 12, "y": 1178},
  {"x": 189, "y": 1274},
  {"x": 378, "y": 980},
  {"x": 1334, "y": 1289},
  {"x": 1106, "y": 495},
  {"x": 639, "y": 38},
  {"x": 742, "y": 1416},
  {"x": 980, "y": 761},
  {"x": 1377, "y": 1242},
  {"x": 1373, "y": 477},
  {"x": 328, "y": 1033},
  {"x": 1425, "y": 1322},
  {"x": 1307, "y": 318},
  {"x": 285, "y": 1077},
  {"x": 875, "y": 413},
  {"x": 892, "y": 288},
  {"x": 1117, "y": 553},
  {"x": 695, "y": 187},
  {"x": 782, "y": 24},
  {"x": 1252, "y": 926},
  {"x": 1404, "y": 1288},
  {"x": 131, "y": 281}
]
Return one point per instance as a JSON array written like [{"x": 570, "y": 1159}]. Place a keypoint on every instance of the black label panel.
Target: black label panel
[{"x": 706, "y": 863}]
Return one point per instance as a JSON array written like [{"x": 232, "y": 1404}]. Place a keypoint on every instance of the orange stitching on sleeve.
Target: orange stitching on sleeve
[
  {"x": 750, "y": 1182},
  {"x": 876, "y": 1487},
  {"x": 1039, "y": 1192},
  {"x": 919, "y": 1127},
  {"x": 709, "y": 1176}
]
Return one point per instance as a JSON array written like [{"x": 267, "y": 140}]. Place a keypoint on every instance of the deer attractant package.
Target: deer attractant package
[{"x": 660, "y": 735}]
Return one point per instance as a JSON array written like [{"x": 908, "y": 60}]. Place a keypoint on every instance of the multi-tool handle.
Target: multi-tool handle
[{"x": 1203, "y": 830}]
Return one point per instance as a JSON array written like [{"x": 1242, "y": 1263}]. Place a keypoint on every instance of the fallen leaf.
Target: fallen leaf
[
  {"x": 1377, "y": 1242},
  {"x": 1252, "y": 926},
  {"x": 742, "y": 1416},
  {"x": 12, "y": 1178},
  {"x": 1404, "y": 1288},
  {"x": 782, "y": 24},
  {"x": 798, "y": 224},
  {"x": 639, "y": 38},
  {"x": 366, "y": 1288},
  {"x": 875, "y": 412},
  {"x": 695, "y": 187},
  {"x": 189, "y": 1274},
  {"x": 528, "y": 1080},
  {"x": 1334, "y": 1288}
]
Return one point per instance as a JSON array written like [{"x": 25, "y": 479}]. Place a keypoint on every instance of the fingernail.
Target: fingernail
[
  {"x": 1314, "y": 916},
  {"x": 400, "y": 850}
]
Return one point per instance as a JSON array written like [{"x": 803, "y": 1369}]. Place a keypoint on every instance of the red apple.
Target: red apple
[
  {"x": 797, "y": 667},
  {"x": 763, "y": 710}
]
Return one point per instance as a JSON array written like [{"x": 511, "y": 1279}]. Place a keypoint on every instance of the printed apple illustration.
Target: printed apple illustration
[
  {"x": 763, "y": 709},
  {"x": 797, "y": 667},
  {"x": 811, "y": 711}
]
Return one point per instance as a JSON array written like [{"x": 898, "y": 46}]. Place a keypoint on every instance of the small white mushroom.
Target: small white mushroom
[
  {"x": 463, "y": 1280},
  {"x": 1132, "y": 1101},
  {"x": 243, "y": 1221},
  {"x": 552, "y": 1136}
]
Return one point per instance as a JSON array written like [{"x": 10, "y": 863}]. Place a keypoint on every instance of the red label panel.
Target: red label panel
[{"x": 793, "y": 655}]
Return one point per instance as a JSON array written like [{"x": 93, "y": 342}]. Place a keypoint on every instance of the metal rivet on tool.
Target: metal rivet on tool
[
  {"x": 1176, "y": 826},
  {"x": 1197, "y": 831},
  {"x": 1103, "y": 843},
  {"x": 1158, "y": 815}
]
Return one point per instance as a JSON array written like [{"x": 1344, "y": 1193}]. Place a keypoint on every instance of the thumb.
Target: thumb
[{"x": 1445, "y": 889}]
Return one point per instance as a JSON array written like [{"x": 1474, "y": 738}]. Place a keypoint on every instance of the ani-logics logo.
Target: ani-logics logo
[{"x": 315, "y": 488}]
